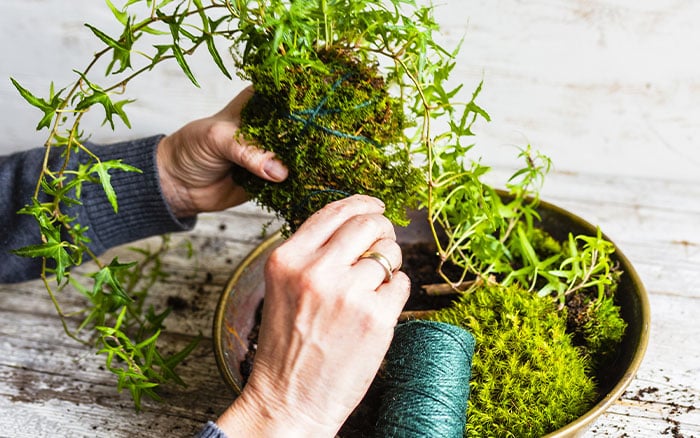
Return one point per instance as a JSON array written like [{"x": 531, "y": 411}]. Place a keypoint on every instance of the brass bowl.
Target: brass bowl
[{"x": 235, "y": 314}]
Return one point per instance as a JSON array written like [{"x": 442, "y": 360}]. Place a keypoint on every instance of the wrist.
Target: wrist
[{"x": 253, "y": 416}]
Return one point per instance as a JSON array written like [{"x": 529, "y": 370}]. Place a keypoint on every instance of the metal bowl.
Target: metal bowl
[{"x": 235, "y": 314}]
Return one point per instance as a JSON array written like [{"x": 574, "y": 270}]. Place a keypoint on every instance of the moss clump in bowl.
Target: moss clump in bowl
[{"x": 524, "y": 362}]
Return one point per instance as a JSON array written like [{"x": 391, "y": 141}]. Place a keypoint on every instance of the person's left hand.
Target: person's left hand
[{"x": 194, "y": 163}]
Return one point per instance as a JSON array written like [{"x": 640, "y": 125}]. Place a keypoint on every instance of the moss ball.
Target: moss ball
[{"x": 339, "y": 132}]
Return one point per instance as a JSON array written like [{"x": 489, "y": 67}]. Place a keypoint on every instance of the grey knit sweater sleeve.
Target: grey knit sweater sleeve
[
  {"x": 211, "y": 430},
  {"x": 142, "y": 211}
]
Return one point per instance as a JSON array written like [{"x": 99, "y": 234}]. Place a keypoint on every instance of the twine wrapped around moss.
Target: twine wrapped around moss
[{"x": 339, "y": 133}]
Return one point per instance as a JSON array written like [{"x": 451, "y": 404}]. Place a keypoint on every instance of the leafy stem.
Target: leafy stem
[{"x": 116, "y": 293}]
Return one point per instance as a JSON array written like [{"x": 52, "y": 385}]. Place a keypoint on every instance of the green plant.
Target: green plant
[
  {"x": 115, "y": 318},
  {"x": 331, "y": 80}
]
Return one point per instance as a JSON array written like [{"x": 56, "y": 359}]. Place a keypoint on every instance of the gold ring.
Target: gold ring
[{"x": 382, "y": 260}]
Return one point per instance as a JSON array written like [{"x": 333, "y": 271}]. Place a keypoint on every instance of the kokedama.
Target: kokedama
[{"x": 339, "y": 132}]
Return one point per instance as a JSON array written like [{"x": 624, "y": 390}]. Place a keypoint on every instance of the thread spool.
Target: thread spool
[{"x": 425, "y": 381}]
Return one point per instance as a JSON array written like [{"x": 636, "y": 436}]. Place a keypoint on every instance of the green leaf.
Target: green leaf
[
  {"x": 48, "y": 108},
  {"x": 148, "y": 341},
  {"x": 102, "y": 169},
  {"x": 180, "y": 58},
  {"x": 121, "y": 16},
  {"x": 105, "y": 180},
  {"x": 216, "y": 56},
  {"x": 108, "y": 276},
  {"x": 168, "y": 365},
  {"x": 118, "y": 109},
  {"x": 53, "y": 249},
  {"x": 28, "y": 96},
  {"x": 111, "y": 42},
  {"x": 99, "y": 96}
]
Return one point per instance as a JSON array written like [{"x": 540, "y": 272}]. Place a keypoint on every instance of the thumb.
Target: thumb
[
  {"x": 254, "y": 159},
  {"x": 258, "y": 161}
]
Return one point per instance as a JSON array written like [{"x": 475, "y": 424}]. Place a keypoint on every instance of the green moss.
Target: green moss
[
  {"x": 339, "y": 133},
  {"x": 602, "y": 331},
  {"x": 544, "y": 244},
  {"x": 527, "y": 377}
]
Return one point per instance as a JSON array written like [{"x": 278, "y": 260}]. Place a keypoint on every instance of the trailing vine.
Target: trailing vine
[{"x": 115, "y": 318}]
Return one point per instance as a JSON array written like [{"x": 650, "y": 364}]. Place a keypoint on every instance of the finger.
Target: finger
[
  {"x": 236, "y": 149},
  {"x": 392, "y": 296},
  {"x": 256, "y": 160},
  {"x": 356, "y": 235},
  {"x": 319, "y": 228},
  {"x": 374, "y": 269}
]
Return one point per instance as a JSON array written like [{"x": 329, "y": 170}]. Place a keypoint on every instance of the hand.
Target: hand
[
  {"x": 194, "y": 163},
  {"x": 327, "y": 323}
]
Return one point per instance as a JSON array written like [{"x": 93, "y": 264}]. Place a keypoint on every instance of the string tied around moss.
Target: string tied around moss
[
  {"x": 340, "y": 129},
  {"x": 425, "y": 381},
  {"x": 309, "y": 117}
]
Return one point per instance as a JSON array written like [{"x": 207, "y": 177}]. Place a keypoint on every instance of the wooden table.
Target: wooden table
[
  {"x": 609, "y": 89},
  {"x": 51, "y": 386}
]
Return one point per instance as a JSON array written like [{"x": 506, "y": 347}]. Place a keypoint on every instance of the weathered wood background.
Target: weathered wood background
[{"x": 608, "y": 89}]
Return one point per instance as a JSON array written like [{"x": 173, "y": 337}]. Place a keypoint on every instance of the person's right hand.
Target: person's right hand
[{"x": 328, "y": 320}]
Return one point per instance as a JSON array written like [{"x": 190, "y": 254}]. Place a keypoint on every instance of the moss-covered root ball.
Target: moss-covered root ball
[{"x": 339, "y": 133}]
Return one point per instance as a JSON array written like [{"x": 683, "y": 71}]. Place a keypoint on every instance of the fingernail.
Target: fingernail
[{"x": 275, "y": 170}]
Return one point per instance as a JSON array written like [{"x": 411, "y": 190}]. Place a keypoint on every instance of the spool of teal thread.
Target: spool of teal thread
[{"x": 425, "y": 381}]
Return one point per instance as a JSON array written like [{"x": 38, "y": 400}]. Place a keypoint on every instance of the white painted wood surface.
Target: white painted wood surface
[{"x": 608, "y": 89}]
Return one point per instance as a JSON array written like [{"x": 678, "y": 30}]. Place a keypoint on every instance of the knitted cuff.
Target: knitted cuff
[
  {"x": 211, "y": 431},
  {"x": 142, "y": 209}
]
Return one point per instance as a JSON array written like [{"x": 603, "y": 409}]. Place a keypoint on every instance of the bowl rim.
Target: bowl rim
[
  {"x": 582, "y": 423},
  {"x": 220, "y": 312}
]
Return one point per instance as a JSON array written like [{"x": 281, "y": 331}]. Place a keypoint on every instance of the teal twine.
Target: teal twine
[
  {"x": 340, "y": 194},
  {"x": 426, "y": 381},
  {"x": 309, "y": 117}
]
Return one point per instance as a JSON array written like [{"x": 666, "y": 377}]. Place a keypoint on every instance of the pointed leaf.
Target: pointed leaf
[
  {"x": 180, "y": 58},
  {"x": 107, "y": 276},
  {"x": 49, "y": 109},
  {"x": 121, "y": 16},
  {"x": 111, "y": 42},
  {"x": 102, "y": 169},
  {"x": 54, "y": 250},
  {"x": 216, "y": 56}
]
